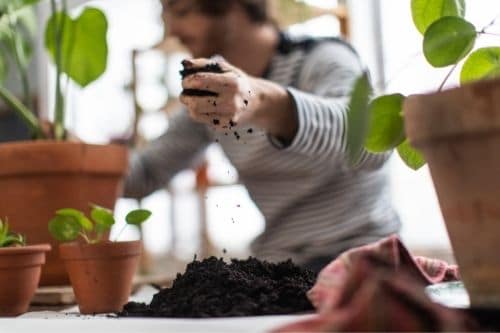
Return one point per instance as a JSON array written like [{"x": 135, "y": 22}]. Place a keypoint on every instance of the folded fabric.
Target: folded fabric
[
  {"x": 331, "y": 280},
  {"x": 376, "y": 298},
  {"x": 380, "y": 287}
]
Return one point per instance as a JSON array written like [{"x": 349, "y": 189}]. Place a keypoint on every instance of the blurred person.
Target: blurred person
[{"x": 279, "y": 112}]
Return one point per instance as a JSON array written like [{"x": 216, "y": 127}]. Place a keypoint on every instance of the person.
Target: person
[{"x": 279, "y": 113}]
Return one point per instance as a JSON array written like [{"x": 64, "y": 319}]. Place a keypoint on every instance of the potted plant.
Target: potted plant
[
  {"x": 20, "y": 268},
  {"x": 100, "y": 271},
  {"x": 49, "y": 172},
  {"x": 456, "y": 131}
]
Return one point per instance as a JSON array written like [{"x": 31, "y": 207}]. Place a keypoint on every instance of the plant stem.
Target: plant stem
[
  {"x": 121, "y": 231},
  {"x": 85, "y": 237},
  {"x": 59, "y": 99},
  {"x": 23, "y": 112},
  {"x": 447, "y": 77},
  {"x": 23, "y": 73}
]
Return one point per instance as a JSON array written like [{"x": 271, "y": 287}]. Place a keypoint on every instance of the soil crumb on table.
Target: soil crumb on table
[{"x": 214, "y": 288}]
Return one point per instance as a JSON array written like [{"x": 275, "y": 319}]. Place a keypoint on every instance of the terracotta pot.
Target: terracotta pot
[
  {"x": 38, "y": 178},
  {"x": 20, "y": 269},
  {"x": 101, "y": 274},
  {"x": 458, "y": 132}
]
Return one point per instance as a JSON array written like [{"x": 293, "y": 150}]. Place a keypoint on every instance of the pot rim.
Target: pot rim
[
  {"x": 99, "y": 251},
  {"x": 15, "y": 250}
]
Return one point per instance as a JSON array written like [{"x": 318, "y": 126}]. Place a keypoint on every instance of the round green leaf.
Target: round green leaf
[
  {"x": 102, "y": 217},
  {"x": 448, "y": 40},
  {"x": 137, "y": 216},
  {"x": 386, "y": 128},
  {"x": 358, "y": 118},
  {"x": 64, "y": 228},
  {"x": 79, "y": 216},
  {"x": 426, "y": 12},
  {"x": 412, "y": 157},
  {"x": 84, "y": 45},
  {"x": 483, "y": 63}
]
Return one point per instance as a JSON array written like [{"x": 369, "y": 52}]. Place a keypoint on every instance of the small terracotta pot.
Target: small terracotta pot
[
  {"x": 51, "y": 175},
  {"x": 20, "y": 269},
  {"x": 458, "y": 131},
  {"x": 101, "y": 274}
]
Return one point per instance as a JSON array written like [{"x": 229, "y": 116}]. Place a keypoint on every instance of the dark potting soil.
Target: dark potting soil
[
  {"x": 189, "y": 70},
  {"x": 214, "y": 288}
]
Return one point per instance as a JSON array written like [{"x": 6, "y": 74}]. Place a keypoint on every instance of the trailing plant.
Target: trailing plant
[
  {"x": 77, "y": 46},
  {"x": 68, "y": 224},
  {"x": 8, "y": 238},
  {"x": 377, "y": 125}
]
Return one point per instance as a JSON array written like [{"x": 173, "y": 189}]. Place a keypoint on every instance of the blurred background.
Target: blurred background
[{"x": 205, "y": 210}]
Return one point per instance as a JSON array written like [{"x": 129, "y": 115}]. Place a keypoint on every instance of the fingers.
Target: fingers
[{"x": 216, "y": 83}]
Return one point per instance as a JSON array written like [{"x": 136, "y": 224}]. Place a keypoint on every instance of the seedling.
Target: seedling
[
  {"x": 8, "y": 238},
  {"x": 68, "y": 224}
]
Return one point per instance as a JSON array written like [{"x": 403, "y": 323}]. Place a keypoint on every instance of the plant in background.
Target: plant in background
[
  {"x": 8, "y": 238},
  {"x": 77, "y": 46},
  {"x": 69, "y": 224},
  {"x": 448, "y": 39}
]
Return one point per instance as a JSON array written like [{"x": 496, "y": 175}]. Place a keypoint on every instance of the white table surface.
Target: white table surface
[{"x": 70, "y": 321}]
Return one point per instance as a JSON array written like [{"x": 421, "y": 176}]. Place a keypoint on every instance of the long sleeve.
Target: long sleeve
[
  {"x": 321, "y": 99},
  {"x": 153, "y": 166}
]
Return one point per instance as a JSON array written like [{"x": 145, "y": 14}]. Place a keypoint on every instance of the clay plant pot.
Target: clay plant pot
[
  {"x": 101, "y": 274},
  {"x": 37, "y": 178},
  {"x": 20, "y": 269},
  {"x": 458, "y": 131}
]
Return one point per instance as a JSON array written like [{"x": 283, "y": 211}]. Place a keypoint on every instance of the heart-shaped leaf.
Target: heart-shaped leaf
[
  {"x": 79, "y": 216},
  {"x": 426, "y": 12},
  {"x": 64, "y": 228},
  {"x": 84, "y": 50},
  {"x": 386, "y": 129},
  {"x": 103, "y": 219},
  {"x": 448, "y": 40},
  {"x": 483, "y": 63},
  {"x": 412, "y": 157},
  {"x": 137, "y": 216}
]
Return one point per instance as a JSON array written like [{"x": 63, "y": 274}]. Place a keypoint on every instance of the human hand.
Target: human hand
[{"x": 221, "y": 98}]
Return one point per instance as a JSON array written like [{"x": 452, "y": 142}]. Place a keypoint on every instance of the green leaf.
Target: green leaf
[
  {"x": 358, "y": 118},
  {"x": 426, "y": 12},
  {"x": 448, "y": 40},
  {"x": 483, "y": 63},
  {"x": 412, "y": 157},
  {"x": 386, "y": 128},
  {"x": 103, "y": 218},
  {"x": 137, "y": 216},
  {"x": 84, "y": 45},
  {"x": 85, "y": 223},
  {"x": 64, "y": 228},
  {"x": 3, "y": 70}
]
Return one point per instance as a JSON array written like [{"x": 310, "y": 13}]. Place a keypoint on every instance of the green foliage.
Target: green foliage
[
  {"x": 8, "y": 238},
  {"x": 412, "y": 157},
  {"x": 425, "y": 12},
  {"x": 448, "y": 40},
  {"x": 84, "y": 50},
  {"x": 358, "y": 117},
  {"x": 483, "y": 63},
  {"x": 68, "y": 224},
  {"x": 386, "y": 128}
]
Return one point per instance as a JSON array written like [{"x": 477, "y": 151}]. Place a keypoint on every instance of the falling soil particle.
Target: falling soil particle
[
  {"x": 214, "y": 288},
  {"x": 250, "y": 130},
  {"x": 246, "y": 102},
  {"x": 216, "y": 122},
  {"x": 232, "y": 123},
  {"x": 237, "y": 135}
]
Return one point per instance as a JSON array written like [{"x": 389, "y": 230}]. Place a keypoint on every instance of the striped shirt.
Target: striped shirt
[{"x": 313, "y": 202}]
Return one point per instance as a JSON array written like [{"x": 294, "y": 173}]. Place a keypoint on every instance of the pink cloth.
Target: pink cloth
[
  {"x": 380, "y": 287},
  {"x": 331, "y": 280}
]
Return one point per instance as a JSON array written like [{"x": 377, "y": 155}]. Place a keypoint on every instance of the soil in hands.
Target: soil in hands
[{"x": 214, "y": 288}]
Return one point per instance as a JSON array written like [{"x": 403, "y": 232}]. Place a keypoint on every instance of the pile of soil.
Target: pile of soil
[
  {"x": 213, "y": 288},
  {"x": 190, "y": 70}
]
